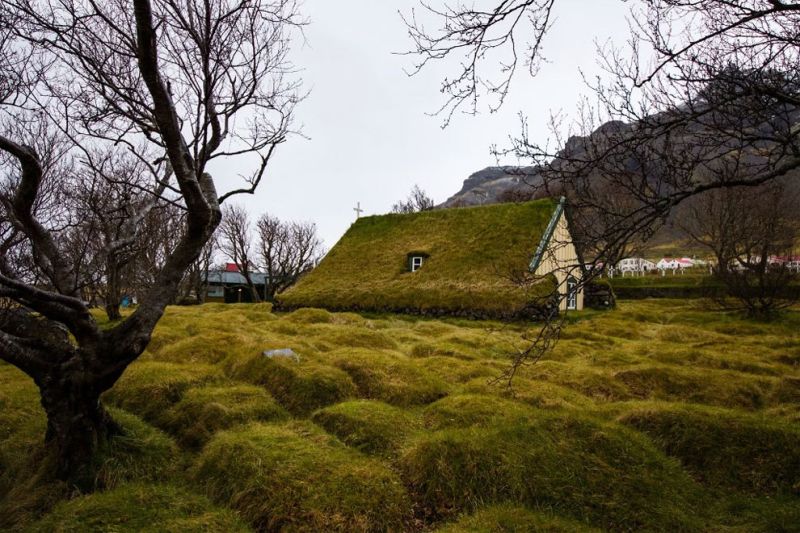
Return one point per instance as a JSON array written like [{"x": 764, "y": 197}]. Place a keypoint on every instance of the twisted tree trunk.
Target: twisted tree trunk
[{"x": 77, "y": 423}]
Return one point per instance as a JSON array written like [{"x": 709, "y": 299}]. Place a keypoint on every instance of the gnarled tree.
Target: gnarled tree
[{"x": 179, "y": 86}]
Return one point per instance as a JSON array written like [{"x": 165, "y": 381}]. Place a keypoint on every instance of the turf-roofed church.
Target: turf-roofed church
[{"x": 498, "y": 261}]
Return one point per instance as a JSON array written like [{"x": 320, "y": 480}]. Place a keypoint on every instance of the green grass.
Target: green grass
[
  {"x": 296, "y": 477},
  {"x": 135, "y": 508},
  {"x": 573, "y": 465},
  {"x": 659, "y": 415},
  {"x": 507, "y": 518},
  {"x": 725, "y": 448},
  {"x": 472, "y": 254}
]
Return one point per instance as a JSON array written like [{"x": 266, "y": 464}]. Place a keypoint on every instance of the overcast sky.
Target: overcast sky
[{"x": 369, "y": 137}]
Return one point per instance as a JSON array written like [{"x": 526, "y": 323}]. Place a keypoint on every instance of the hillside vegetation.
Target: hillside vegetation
[
  {"x": 659, "y": 416},
  {"x": 472, "y": 255}
]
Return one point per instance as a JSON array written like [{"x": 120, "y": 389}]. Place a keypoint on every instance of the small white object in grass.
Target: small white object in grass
[{"x": 283, "y": 352}]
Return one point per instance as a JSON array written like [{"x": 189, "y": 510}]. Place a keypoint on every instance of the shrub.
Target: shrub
[
  {"x": 598, "y": 472},
  {"x": 205, "y": 410},
  {"x": 508, "y": 518},
  {"x": 300, "y": 387},
  {"x": 148, "y": 388},
  {"x": 367, "y": 425},
  {"x": 295, "y": 477},
  {"x": 723, "y": 448},
  {"x": 134, "y": 508},
  {"x": 391, "y": 378}
]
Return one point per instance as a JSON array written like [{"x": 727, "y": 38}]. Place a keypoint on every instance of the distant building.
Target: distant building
[
  {"x": 675, "y": 264},
  {"x": 635, "y": 266},
  {"x": 790, "y": 262},
  {"x": 230, "y": 286},
  {"x": 501, "y": 260}
]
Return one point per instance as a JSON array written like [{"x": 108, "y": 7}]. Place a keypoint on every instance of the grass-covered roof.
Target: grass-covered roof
[{"x": 470, "y": 256}]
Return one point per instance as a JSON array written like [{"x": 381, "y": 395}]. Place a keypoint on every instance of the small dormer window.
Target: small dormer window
[{"x": 416, "y": 262}]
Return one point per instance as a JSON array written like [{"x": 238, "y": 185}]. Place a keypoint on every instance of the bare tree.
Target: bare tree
[
  {"x": 163, "y": 81},
  {"x": 287, "y": 251},
  {"x": 752, "y": 237},
  {"x": 196, "y": 279},
  {"x": 418, "y": 200},
  {"x": 236, "y": 237},
  {"x": 704, "y": 96}
]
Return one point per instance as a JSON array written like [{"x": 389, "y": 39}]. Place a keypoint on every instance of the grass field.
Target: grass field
[{"x": 658, "y": 416}]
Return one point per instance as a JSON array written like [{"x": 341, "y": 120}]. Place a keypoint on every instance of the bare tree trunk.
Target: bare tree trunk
[
  {"x": 77, "y": 425},
  {"x": 113, "y": 295}
]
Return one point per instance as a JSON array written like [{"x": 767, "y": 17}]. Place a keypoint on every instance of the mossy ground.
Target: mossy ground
[{"x": 660, "y": 415}]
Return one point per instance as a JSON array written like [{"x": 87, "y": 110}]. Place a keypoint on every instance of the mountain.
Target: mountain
[{"x": 493, "y": 184}]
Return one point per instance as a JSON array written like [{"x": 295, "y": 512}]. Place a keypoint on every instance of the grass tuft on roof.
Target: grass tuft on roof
[{"x": 470, "y": 256}]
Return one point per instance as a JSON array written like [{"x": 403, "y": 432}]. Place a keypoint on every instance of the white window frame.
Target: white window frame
[{"x": 416, "y": 262}]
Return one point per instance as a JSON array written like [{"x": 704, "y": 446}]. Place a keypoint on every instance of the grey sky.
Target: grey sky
[{"x": 370, "y": 139}]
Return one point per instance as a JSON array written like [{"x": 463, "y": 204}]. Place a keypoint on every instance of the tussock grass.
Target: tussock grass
[
  {"x": 369, "y": 426},
  {"x": 295, "y": 477},
  {"x": 203, "y": 411},
  {"x": 712, "y": 387},
  {"x": 141, "y": 453},
  {"x": 725, "y": 448},
  {"x": 574, "y": 465},
  {"x": 656, "y": 416},
  {"x": 391, "y": 378},
  {"x": 508, "y": 518},
  {"x": 299, "y": 387},
  {"x": 147, "y": 389},
  {"x": 135, "y": 508},
  {"x": 471, "y": 410},
  {"x": 310, "y": 316},
  {"x": 27, "y": 489},
  {"x": 540, "y": 394}
]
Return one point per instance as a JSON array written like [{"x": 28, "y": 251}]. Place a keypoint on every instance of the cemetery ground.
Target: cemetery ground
[{"x": 662, "y": 415}]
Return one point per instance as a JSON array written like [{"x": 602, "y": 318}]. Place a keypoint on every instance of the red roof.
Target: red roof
[{"x": 231, "y": 267}]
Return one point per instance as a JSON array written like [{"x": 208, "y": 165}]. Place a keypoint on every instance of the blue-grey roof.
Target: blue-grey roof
[{"x": 223, "y": 277}]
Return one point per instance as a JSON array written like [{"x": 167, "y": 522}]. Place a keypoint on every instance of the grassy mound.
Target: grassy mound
[
  {"x": 598, "y": 472},
  {"x": 301, "y": 387},
  {"x": 507, "y": 518},
  {"x": 596, "y": 383},
  {"x": 724, "y": 448},
  {"x": 367, "y": 425},
  {"x": 461, "y": 272},
  {"x": 140, "y": 454},
  {"x": 467, "y": 410},
  {"x": 390, "y": 378},
  {"x": 539, "y": 394},
  {"x": 294, "y": 477},
  {"x": 310, "y": 316},
  {"x": 134, "y": 508},
  {"x": 712, "y": 387},
  {"x": 147, "y": 389},
  {"x": 205, "y": 410}
]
